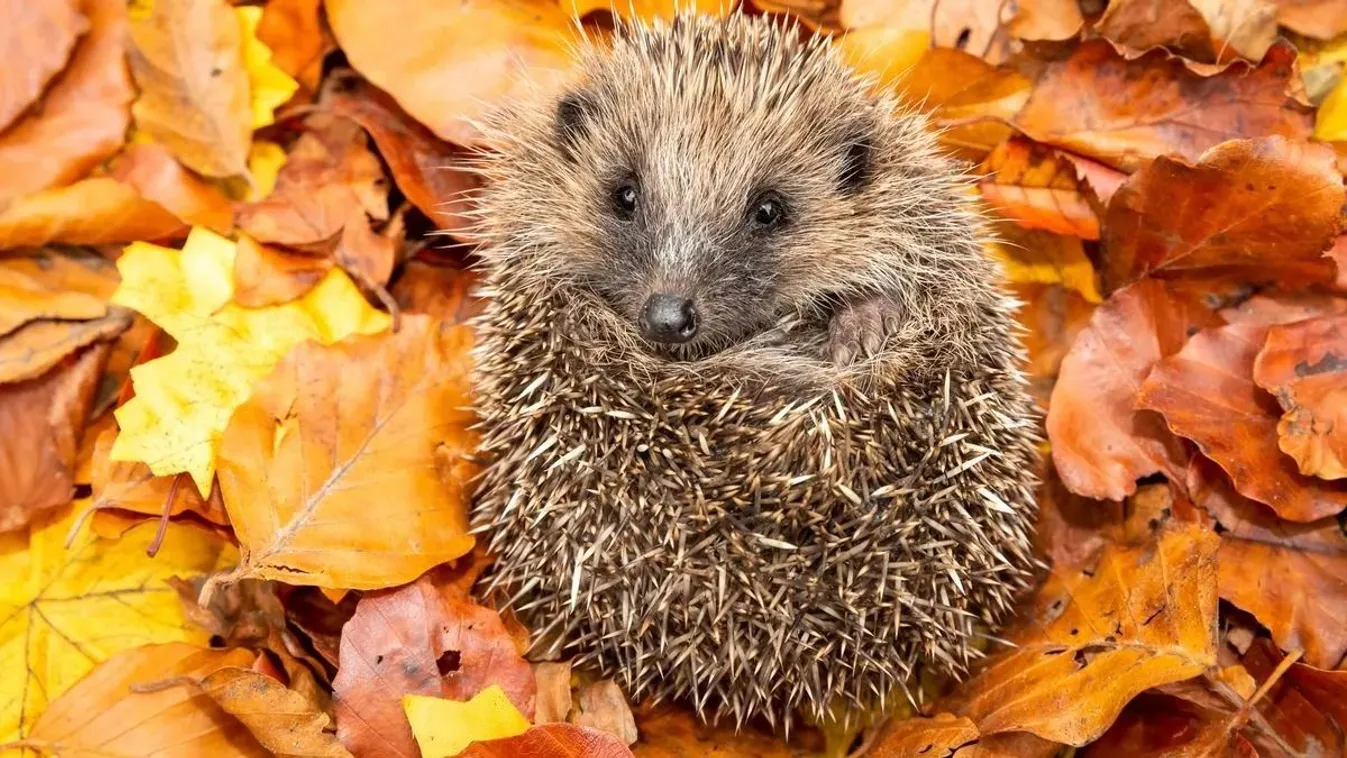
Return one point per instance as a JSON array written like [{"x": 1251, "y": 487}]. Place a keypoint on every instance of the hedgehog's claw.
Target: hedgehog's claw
[{"x": 858, "y": 329}]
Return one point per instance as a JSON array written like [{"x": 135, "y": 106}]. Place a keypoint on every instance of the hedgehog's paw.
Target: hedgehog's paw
[{"x": 858, "y": 329}]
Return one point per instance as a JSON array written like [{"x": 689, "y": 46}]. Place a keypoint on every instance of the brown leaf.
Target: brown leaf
[
  {"x": 1125, "y": 113},
  {"x": 671, "y": 732},
  {"x": 1320, "y": 19},
  {"x": 266, "y": 275},
  {"x": 187, "y": 59},
  {"x": 368, "y": 257},
  {"x": 416, "y": 640},
  {"x": 104, "y": 715},
  {"x": 281, "y": 720},
  {"x": 1095, "y": 638},
  {"x": 431, "y": 172},
  {"x": 974, "y": 26},
  {"x": 1102, "y": 180},
  {"x": 246, "y": 614},
  {"x": 1303, "y": 365},
  {"x": 131, "y": 486},
  {"x": 1260, "y": 210},
  {"x": 449, "y": 64},
  {"x": 37, "y": 37},
  {"x": 27, "y": 296},
  {"x": 937, "y": 737},
  {"x": 83, "y": 116},
  {"x": 1046, "y": 20},
  {"x": 604, "y": 707},
  {"x": 1207, "y": 31},
  {"x": 1206, "y": 394},
  {"x": 98, "y": 211},
  {"x": 297, "y": 37},
  {"x": 1101, "y": 443},
  {"x": 1158, "y": 726},
  {"x": 551, "y": 741},
  {"x": 553, "y": 700},
  {"x": 965, "y": 96},
  {"x": 1053, "y": 315},
  {"x": 1038, "y": 189},
  {"x": 1073, "y": 530},
  {"x": 1307, "y": 707},
  {"x": 1010, "y": 745},
  {"x": 42, "y": 419},
  {"x": 334, "y": 429},
  {"x": 441, "y": 291},
  {"x": 152, "y": 171}
]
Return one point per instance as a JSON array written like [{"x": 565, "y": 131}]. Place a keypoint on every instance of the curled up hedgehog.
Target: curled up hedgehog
[{"x": 748, "y": 386}]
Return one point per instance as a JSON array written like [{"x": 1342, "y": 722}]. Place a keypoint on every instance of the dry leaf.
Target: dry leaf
[
  {"x": 416, "y": 640},
  {"x": 187, "y": 59},
  {"x": 553, "y": 741},
  {"x": 445, "y": 728},
  {"x": 151, "y": 170},
  {"x": 648, "y": 10},
  {"x": 335, "y": 429},
  {"x": 131, "y": 486},
  {"x": 553, "y": 700},
  {"x": 95, "y": 211},
  {"x": 37, "y": 36},
  {"x": 1038, "y": 189},
  {"x": 448, "y": 65},
  {"x": 1031, "y": 256},
  {"x": 297, "y": 38},
  {"x": 1260, "y": 210},
  {"x": 1206, "y": 31},
  {"x": 1101, "y": 443},
  {"x": 1095, "y": 638},
  {"x": 28, "y": 293},
  {"x": 84, "y": 112},
  {"x": 1302, "y": 365},
  {"x": 42, "y": 419},
  {"x": 444, "y": 292},
  {"x": 266, "y": 275},
  {"x": 1206, "y": 393},
  {"x": 1125, "y": 113},
  {"x": 1053, "y": 316},
  {"x": 269, "y": 87},
  {"x": 672, "y": 732},
  {"x": 1046, "y": 20},
  {"x": 973, "y": 26},
  {"x": 937, "y": 737},
  {"x": 604, "y": 707},
  {"x": 1307, "y": 707},
  {"x": 1321, "y": 19},
  {"x": 1072, "y": 530},
  {"x": 281, "y": 720}
]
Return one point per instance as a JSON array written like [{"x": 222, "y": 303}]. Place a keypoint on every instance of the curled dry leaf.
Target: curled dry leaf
[
  {"x": 131, "y": 486},
  {"x": 1125, "y": 113},
  {"x": 449, "y": 65},
  {"x": 42, "y": 419},
  {"x": 1101, "y": 443},
  {"x": 418, "y": 640},
  {"x": 1303, "y": 365},
  {"x": 1306, "y": 706},
  {"x": 938, "y": 737},
  {"x": 265, "y": 275},
  {"x": 1206, "y": 31},
  {"x": 151, "y": 170},
  {"x": 105, "y": 713},
  {"x": 1320, "y": 19},
  {"x": 1261, "y": 210},
  {"x": 29, "y": 293},
  {"x": 280, "y": 719},
  {"x": 187, "y": 59},
  {"x": 1037, "y": 188},
  {"x": 247, "y": 614},
  {"x": 37, "y": 36},
  {"x": 1046, "y": 20},
  {"x": 1206, "y": 393},
  {"x": 334, "y": 429},
  {"x": 98, "y": 211},
  {"x": 84, "y": 112},
  {"x": 554, "y": 741}
]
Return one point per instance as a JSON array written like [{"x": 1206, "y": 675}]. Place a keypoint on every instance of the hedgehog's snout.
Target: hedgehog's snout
[{"x": 669, "y": 318}]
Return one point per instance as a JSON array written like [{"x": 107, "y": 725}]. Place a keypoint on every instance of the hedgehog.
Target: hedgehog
[{"x": 754, "y": 429}]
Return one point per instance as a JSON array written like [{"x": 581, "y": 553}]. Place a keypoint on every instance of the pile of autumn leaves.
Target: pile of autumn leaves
[{"x": 200, "y": 293}]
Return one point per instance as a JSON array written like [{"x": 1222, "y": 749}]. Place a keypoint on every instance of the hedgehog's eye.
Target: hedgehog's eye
[
  {"x": 625, "y": 198},
  {"x": 768, "y": 211}
]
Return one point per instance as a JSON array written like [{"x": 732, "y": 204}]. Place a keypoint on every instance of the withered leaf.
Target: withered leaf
[
  {"x": 27, "y": 295},
  {"x": 1261, "y": 210},
  {"x": 552, "y": 702},
  {"x": 296, "y": 36},
  {"x": 131, "y": 486},
  {"x": 1303, "y": 365},
  {"x": 971, "y": 25},
  {"x": 674, "y": 732},
  {"x": 1321, "y": 19},
  {"x": 1307, "y": 706},
  {"x": 281, "y": 720},
  {"x": 938, "y": 737},
  {"x": 1095, "y": 638},
  {"x": 1038, "y": 189},
  {"x": 187, "y": 59},
  {"x": 1101, "y": 443},
  {"x": 266, "y": 275},
  {"x": 153, "y": 172},
  {"x": 84, "y": 112},
  {"x": 1072, "y": 530},
  {"x": 1206, "y": 393},
  {"x": 97, "y": 211},
  {"x": 1125, "y": 113},
  {"x": 1046, "y": 20},
  {"x": 604, "y": 707},
  {"x": 552, "y": 741},
  {"x": 419, "y": 640},
  {"x": 969, "y": 98},
  {"x": 1207, "y": 31},
  {"x": 1053, "y": 315},
  {"x": 37, "y": 37},
  {"x": 444, "y": 292}
]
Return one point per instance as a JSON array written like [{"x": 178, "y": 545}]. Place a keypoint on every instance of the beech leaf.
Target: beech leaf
[
  {"x": 281, "y": 720},
  {"x": 554, "y": 741},
  {"x": 38, "y": 36},
  {"x": 1303, "y": 365},
  {"x": 1038, "y": 189}
]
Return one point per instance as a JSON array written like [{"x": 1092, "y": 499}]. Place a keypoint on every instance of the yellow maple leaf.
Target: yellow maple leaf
[
  {"x": 446, "y": 727},
  {"x": 269, "y": 87},
  {"x": 184, "y": 400},
  {"x": 64, "y": 611}
]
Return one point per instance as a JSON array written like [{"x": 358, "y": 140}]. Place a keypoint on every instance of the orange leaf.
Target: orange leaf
[
  {"x": 1321, "y": 19},
  {"x": 674, "y": 732},
  {"x": 1264, "y": 210},
  {"x": 153, "y": 172},
  {"x": 333, "y": 429},
  {"x": 187, "y": 58},
  {"x": 1047, "y": 20},
  {"x": 1206, "y": 32},
  {"x": 97, "y": 211},
  {"x": 37, "y": 37},
  {"x": 131, "y": 486},
  {"x": 449, "y": 64},
  {"x": 1307, "y": 707},
  {"x": 265, "y": 275},
  {"x": 82, "y": 119},
  {"x": 937, "y": 737},
  {"x": 1207, "y": 394},
  {"x": 1101, "y": 444},
  {"x": 444, "y": 292},
  {"x": 1038, "y": 189},
  {"x": 648, "y": 10},
  {"x": 280, "y": 719},
  {"x": 1303, "y": 365},
  {"x": 296, "y": 36},
  {"x": 1127, "y": 112},
  {"x": 30, "y": 292},
  {"x": 551, "y": 741},
  {"x": 1053, "y": 315},
  {"x": 1095, "y": 638},
  {"x": 971, "y": 25},
  {"x": 419, "y": 640}
]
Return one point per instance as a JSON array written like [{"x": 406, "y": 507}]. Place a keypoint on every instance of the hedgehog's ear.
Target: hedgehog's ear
[
  {"x": 858, "y": 155},
  {"x": 573, "y": 113}
]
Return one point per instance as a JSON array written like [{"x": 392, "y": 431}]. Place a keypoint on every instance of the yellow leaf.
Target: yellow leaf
[
  {"x": 1032, "y": 256},
  {"x": 446, "y": 727},
  {"x": 1331, "y": 123},
  {"x": 264, "y": 163},
  {"x": 270, "y": 87},
  {"x": 887, "y": 53},
  {"x": 64, "y": 611},
  {"x": 184, "y": 400}
]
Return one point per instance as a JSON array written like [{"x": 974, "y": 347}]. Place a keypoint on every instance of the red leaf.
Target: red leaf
[{"x": 551, "y": 741}]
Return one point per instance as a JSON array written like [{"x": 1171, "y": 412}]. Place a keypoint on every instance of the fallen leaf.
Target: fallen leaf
[
  {"x": 63, "y": 611},
  {"x": 1321, "y": 19},
  {"x": 1052, "y": 316},
  {"x": 36, "y": 347},
  {"x": 450, "y": 64},
  {"x": 1038, "y": 189},
  {"x": 1304, "y": 707},
  {"x": 186, "y": 56},
  {"x": 1072, "y": 530},
  {"x": 1126, "y": 113},
  {"x": 245, "y": 614},
  {"x": 821, "y": 15},
  {"x": 1101, "y": 443},
  {"x": 1206, "y": 31},
  {"x": 95, "y": 211},
  {"x": 280, "y": 719},
  {"x": 604, "y": 707},
  {"x": 552, "y": 702},
  {"x": 1206, "y": 394},
  {"x": 416, "y": 640},
  {"x": 297, "y": 38},
  {"x": 553, "y": 741},
  {"x": 1260, "y": 210},
  {"x": 131, "y": 486},
  {"x": 444, "y": 292},
  {"x": 336, "y": 428},
  {"x": 1095, "y": 638},
  {"x": 38, "y": 37},
  {"x": 269, "y": 87},
  {"x": 670, "y": 732},
  {"x": 1046, "y": 20},
  {"x": 104, "y": 714},
  {"x": 648, "y": 10},
  {"x": 31, "y": 291},
  {"x": 1029, "y": 256},
  {"x": 1302, "y": 364},
  {"x": 972, "y": 26},
  {"x": 84, "y": 113},
  {"x": 937, "y": 737},
  {"x": 1010, "y": 745},
  {"x": 1160, "y": 726},
  {"x": 265, "y": 275},
  {"x": 151, "y": 170},
  {"x": 42, "y": 419},
  {"x": 184, "y": 400},
  {"x": 446, "y": 727}
]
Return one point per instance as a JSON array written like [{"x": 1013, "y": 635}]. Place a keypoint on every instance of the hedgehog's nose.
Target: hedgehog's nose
[{"x": 669, "y": 318}]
